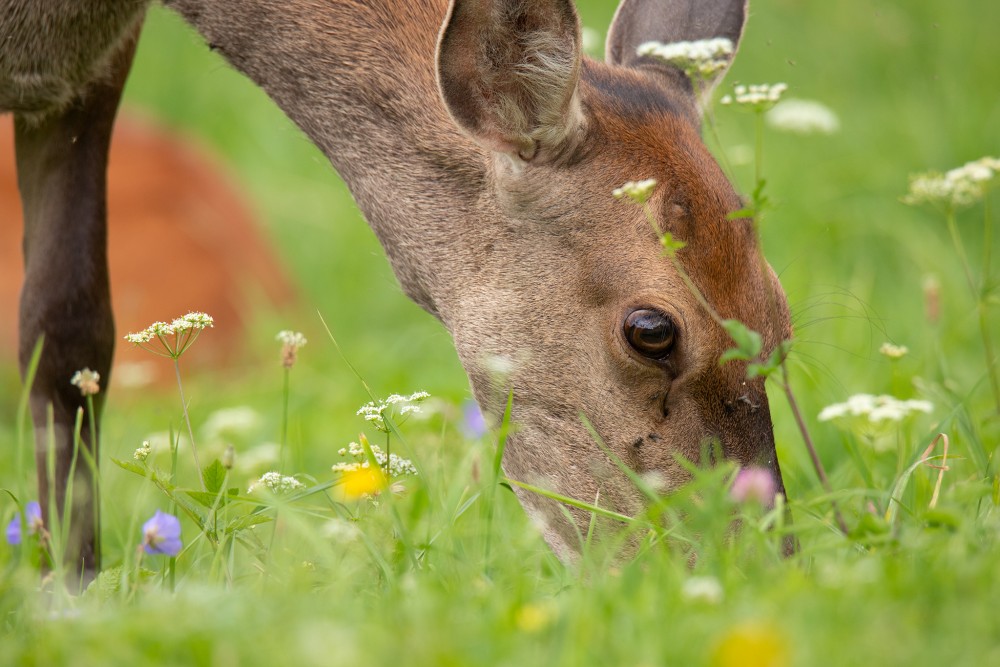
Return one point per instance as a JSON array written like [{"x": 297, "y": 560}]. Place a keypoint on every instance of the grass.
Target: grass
[{"x": 452, "y": 572}]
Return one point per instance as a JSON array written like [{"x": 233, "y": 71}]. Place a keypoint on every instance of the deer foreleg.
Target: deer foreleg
[{"x": 66, "y": 300}]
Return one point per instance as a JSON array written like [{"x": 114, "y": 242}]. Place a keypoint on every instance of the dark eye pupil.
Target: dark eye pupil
[{"x": 650, "y": 332}]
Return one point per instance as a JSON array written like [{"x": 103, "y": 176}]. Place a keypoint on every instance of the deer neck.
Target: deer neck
[{"x": 358, "y": 78}]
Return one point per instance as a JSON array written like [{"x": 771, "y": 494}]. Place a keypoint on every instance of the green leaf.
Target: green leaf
[
  {"x": 191, "y": 507},
  {"x": 246, "y": 521},
  {"x": 748, "y": 342},
  {"x": 132, "y": 467},
  {"x": 773, "y": 362},
  {"x": 214, "y": 476},
  {"x": 670, "y": 244},
  {"x": 205, "y": 498},
  {"x": 742, "y": 213}
]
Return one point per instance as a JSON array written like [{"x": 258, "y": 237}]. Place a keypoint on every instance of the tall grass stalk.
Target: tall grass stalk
[{"x": 187, "y": 421}]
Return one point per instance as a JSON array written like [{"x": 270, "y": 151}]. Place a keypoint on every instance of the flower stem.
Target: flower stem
[
  {"x": 284, "y": 423},
  {"x": 758, "y": 161},
  {"x": 187, "y": 420},
  {"x": 94, "y": 464},
  {"x": 817, "y": 464},
  {"x": 984, "y": 293},
  {"x": 979, "y": 293}
]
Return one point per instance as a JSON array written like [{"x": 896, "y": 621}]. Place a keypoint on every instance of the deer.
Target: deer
[{"x": 481, "y": 146}]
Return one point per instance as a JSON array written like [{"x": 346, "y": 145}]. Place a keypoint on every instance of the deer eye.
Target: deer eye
[{"x": 650, "y": 332}]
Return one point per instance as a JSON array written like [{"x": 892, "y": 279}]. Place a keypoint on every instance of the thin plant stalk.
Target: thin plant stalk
[
  {"x": 984, "y": 293},
  {"x": 187, "y": 420},
  {"x": 284, "y": 421},
  {"x": 758, "y": 168},
  {"x": 979, "y": 293},
  {"x": 810, "y": 447},
  {"x": 92, "y": 458}
]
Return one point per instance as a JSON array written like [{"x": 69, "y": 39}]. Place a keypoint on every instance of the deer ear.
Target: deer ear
[
  {"x": 508, "y": 71},
  {"x": 640, "y": 21}
]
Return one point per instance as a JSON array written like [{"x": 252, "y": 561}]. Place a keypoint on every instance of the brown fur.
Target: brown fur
[{"x": 487, "y": 174}]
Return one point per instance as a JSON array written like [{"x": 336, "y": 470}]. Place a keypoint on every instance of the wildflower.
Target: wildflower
[
  {"x": 875, "y": 408},
  {"x": 753, "y": 485},
  {"x": 473, "y": 422},
  {"x": 534, "y": 617},
  {"x": 873, "y": 416},
  {"x": 638, "y": 191},
  {"x": 751, "y": 644},
  {"x": 954, "y": 189},
  {"x": 340, "y": 530},
  {"x": 276, "y": 483},
  {"x": 142, "y": 453},
  {"x": 237, "y": 420},
  {"x": 591, "y": 42},
  {"x": 893, "y": 351},
  {"x": 393, "y": 406},
  {"x": 499, "y": 365},
  {"x": 362, "y": 481},
  {"x": 263, "y": 456},
  {"x": 699, "y": 60},
  {"x": 87, "y": 381},
  {"x": 702, "y": 589},
  {"x": 290, "y": 341},
  {"x": 229, "y": 457},
  {"x": 173, "y": 338},
  {"x": 759, "y": 97},
  {"x": 32, "y": 522},
  {"x": 395, "y": 466},
  {"x": 803, "y": 117},
  {"x": 162, "y": 534}
]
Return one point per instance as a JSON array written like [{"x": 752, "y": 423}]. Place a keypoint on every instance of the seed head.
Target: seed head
[{"x": 87, "y": 381}]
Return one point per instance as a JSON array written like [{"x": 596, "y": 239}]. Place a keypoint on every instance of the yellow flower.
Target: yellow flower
[
  {"x": 362, "y": 482},
  {"x": 751, "y": 644},
  {"x": 533, "y": 617}
]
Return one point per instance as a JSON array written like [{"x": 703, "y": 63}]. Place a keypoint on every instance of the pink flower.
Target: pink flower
[{"x": 753, "y": 485}]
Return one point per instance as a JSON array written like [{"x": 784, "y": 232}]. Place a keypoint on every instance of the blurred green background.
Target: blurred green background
[{"x": 915, "y": 85}]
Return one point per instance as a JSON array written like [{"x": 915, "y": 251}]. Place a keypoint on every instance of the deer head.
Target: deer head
[{"x": 568, "y": 287}]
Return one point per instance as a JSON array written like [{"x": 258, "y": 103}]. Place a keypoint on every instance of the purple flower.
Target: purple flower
[
  {"x": 32, "y": 520},
  {"x": 473, "y": 423},
  {"x": 753, "y": 485},
  {"x": 162, "y": 534}
]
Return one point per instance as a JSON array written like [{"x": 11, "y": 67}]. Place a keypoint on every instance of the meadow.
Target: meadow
[{"x": 450, "y": 571}]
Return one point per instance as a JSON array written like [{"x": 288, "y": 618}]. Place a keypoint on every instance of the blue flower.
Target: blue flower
[
  {"x": 162, "y": 534},
  {"x": 32, "y": 520},
  {"x": 473, "y": 423}
]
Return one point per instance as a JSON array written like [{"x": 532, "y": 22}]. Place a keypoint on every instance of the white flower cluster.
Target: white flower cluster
[
  {"x": 702, "y": 589},
  {"x": 191, "y": 321},
  {"x": 276, "y": 483},
  {"x": 397, "y": 465},
  {"x": 87, "y": 381},
  {"x": 291, "y": 338},
  {"x": 803, "y": 117},
  {"x": 873, "y": 417},
  {"x": 893, "y": 351},
  {"x": 638, "y": 191},
  {"x": 957, "y": 188},
  {"x": 395, "y": 406},
  {"x": 143, "y": 452},
  {"x": 758, "y": 97},
  {"x": 875, "y": 408},
  {"x": 700, "y": 59}
]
